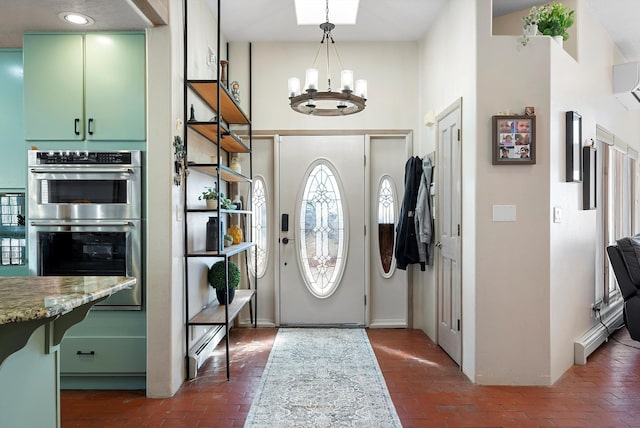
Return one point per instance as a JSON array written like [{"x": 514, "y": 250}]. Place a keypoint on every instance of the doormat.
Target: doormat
[{"x": 322, "y": 378}]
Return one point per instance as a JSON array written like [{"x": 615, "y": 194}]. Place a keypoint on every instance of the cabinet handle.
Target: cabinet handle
[
  {"x": 90, "y": 127},
  {"x": 76, "y": 123},
  {"x": 85, "y": 353}
]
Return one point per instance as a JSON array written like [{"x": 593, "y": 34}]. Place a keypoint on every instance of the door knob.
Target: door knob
[{"x": 285, "y": 241}]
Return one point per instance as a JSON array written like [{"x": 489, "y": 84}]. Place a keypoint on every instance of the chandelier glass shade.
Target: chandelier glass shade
[{"x": 349, "y": 100}]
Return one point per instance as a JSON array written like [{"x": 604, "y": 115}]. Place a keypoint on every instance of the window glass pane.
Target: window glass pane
[
  {"x": 260, "y": 235},
  {"x": 386, "y": 219},
  {"x": 321, "y": 227}
]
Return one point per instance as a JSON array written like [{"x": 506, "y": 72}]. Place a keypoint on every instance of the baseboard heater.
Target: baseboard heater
[
  {"x": 597, "y": 335},
  {"x": 203, "y": 349}
]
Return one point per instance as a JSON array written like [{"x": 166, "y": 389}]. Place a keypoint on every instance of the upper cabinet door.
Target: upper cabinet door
[
  {"x": 115, "y": 87},
  {"x": 53, "y": 86}
]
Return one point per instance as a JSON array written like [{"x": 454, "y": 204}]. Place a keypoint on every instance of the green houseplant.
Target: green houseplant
[
  {"x": 531, "y": 20},
  {"x": 210, "y": 196},
  {"x": 555, "y": 19},
  {"x": 216, "y": 277}
]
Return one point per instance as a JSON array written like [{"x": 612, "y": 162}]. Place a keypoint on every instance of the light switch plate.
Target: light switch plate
[{"x": 557, "y": 215}]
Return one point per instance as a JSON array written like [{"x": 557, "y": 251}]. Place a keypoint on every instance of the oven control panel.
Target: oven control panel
[{"x": 83, "y": 158}]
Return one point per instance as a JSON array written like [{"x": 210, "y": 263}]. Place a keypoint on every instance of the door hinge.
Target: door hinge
[
  {"x": 365, "y": 230},
  {"x": 459, "y": 134},
  {"x": 365, "y": 160},
  {"x": 458, "y": 325},
  {"x": 365, "y": 300},
  {"x": 458, "y": 230}
]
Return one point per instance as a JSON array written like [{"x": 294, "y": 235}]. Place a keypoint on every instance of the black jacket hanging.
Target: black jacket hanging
[{"x": 406, "y": 239}]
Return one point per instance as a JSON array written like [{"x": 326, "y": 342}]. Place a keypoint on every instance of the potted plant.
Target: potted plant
[
  {"x": 210, "y": 196},
  {"x": 216, "y": 279},
  {"x": 225, "y": 202},
  {"x": 555, "y": 19},
  {"x": 531, "y": 21}
]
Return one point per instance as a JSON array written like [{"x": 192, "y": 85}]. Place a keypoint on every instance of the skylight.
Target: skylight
[{"x": 313, "y": 12}]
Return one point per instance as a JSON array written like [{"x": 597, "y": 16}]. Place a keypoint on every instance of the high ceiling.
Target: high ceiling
[{"x": 274, "y": 20}]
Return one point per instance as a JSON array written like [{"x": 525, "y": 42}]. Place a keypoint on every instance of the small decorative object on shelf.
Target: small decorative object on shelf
[
  {"x": 228, "y": 240},
  {"x": 237, "y": 202},
  {"x": 210, "y": 194},
  {"x": 529, "y": 111},
  {"x": 213, "y": 235},
  {"x": 531, "y": 21},
  {"x": 223, "y": 72},
  {"x": 235, "y": 91},
  {"x": 216, "y": 277},
  {"x": 236, "y": 233},
  {"x": 192, "y": 114},
  {"x": 225, "y": 202},
  {"x": 235, "y": 164}
]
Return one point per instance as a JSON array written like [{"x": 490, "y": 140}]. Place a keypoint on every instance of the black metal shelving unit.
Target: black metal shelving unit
[{"x": 217, "y": 97}]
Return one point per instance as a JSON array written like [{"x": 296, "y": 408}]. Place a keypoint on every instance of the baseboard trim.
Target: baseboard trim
[
  {"x": 388, "y": 324},
  {"x": 597, "y": 335}
]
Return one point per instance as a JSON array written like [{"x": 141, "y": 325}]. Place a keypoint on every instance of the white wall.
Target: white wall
[
  {"x": 447, "y": 73},
  {"x": 585, "y": 87},
  {"x": 165, "y": 305},
  {"x": 538, "y": 273},
  {"x": 391, "y": 71}
]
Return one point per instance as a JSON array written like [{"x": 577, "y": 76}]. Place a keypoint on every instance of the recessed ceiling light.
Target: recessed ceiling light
[
  {"x": 76, "y": 18},
  {"x": 313, "y": 12}
]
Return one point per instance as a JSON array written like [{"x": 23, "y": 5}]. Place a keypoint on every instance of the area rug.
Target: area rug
[{"x": 322, "y": 378}]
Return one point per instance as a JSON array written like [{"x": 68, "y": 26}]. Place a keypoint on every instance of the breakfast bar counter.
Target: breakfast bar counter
[{"x": 35, "y": 312}]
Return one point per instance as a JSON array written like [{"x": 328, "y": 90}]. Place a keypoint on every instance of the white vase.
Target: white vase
[
  {"x": 531, "y": 29},
  {"x": 558, "y": 40}
]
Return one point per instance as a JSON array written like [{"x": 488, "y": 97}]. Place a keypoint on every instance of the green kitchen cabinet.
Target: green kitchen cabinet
[
  {"x": 13, "y": 162},
  {"x": 84, "y": 86}
]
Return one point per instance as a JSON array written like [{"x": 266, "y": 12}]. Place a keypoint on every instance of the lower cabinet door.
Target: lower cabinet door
[{"x": 96, "y": 355}]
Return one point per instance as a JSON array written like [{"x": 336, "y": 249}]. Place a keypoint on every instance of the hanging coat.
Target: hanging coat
[
  {"x": 406, "y": 239},
  {"x": 423, "y": 217}
]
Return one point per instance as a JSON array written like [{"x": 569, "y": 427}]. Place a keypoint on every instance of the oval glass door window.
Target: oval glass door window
[
  {"x": 386, "y": 225},
  {"x": 260, "y": 222},
  {"x": 322, "y": 248}
]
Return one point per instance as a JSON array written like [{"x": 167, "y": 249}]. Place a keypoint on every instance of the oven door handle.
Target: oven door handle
[
  {"x": 97, "y": 223},
  {"x": 81, "y": 170}
]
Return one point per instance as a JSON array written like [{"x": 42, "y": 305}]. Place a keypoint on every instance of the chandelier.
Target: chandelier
[{"x": 329, "y": 103}]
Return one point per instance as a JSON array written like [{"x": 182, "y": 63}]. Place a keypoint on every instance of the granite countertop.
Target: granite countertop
[{"x": 25, "y": 298}]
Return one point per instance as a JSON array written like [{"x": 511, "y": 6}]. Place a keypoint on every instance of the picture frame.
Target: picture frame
[
  {"x": 589, "y": 186},
  {"x": 573, "y": 146},
  {"x": 514, "y": 140}
]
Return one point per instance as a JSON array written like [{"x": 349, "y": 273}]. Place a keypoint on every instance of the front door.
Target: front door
[
  {"x": 322, "y": 238},
  {"x": 449, "y": 206}
]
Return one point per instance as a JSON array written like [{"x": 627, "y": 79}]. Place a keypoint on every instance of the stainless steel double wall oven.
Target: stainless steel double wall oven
[{"x": 85, "y": 211}]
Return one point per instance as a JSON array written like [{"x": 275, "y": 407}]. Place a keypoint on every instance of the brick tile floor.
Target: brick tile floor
[{"x": 426, "y": 387}]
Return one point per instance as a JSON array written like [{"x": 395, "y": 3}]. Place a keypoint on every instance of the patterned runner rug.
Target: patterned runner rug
[{"x": 322, "y": 378}]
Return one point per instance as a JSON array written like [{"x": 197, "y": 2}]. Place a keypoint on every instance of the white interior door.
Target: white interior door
[
  {"x": 322, "y": 237},
  {"x": 449, "y": 199}
]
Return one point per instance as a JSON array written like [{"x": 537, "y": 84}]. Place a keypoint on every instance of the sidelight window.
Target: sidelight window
[
  {"x": 260, "y": 224},
  {"x": 386, "y": 228}
]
